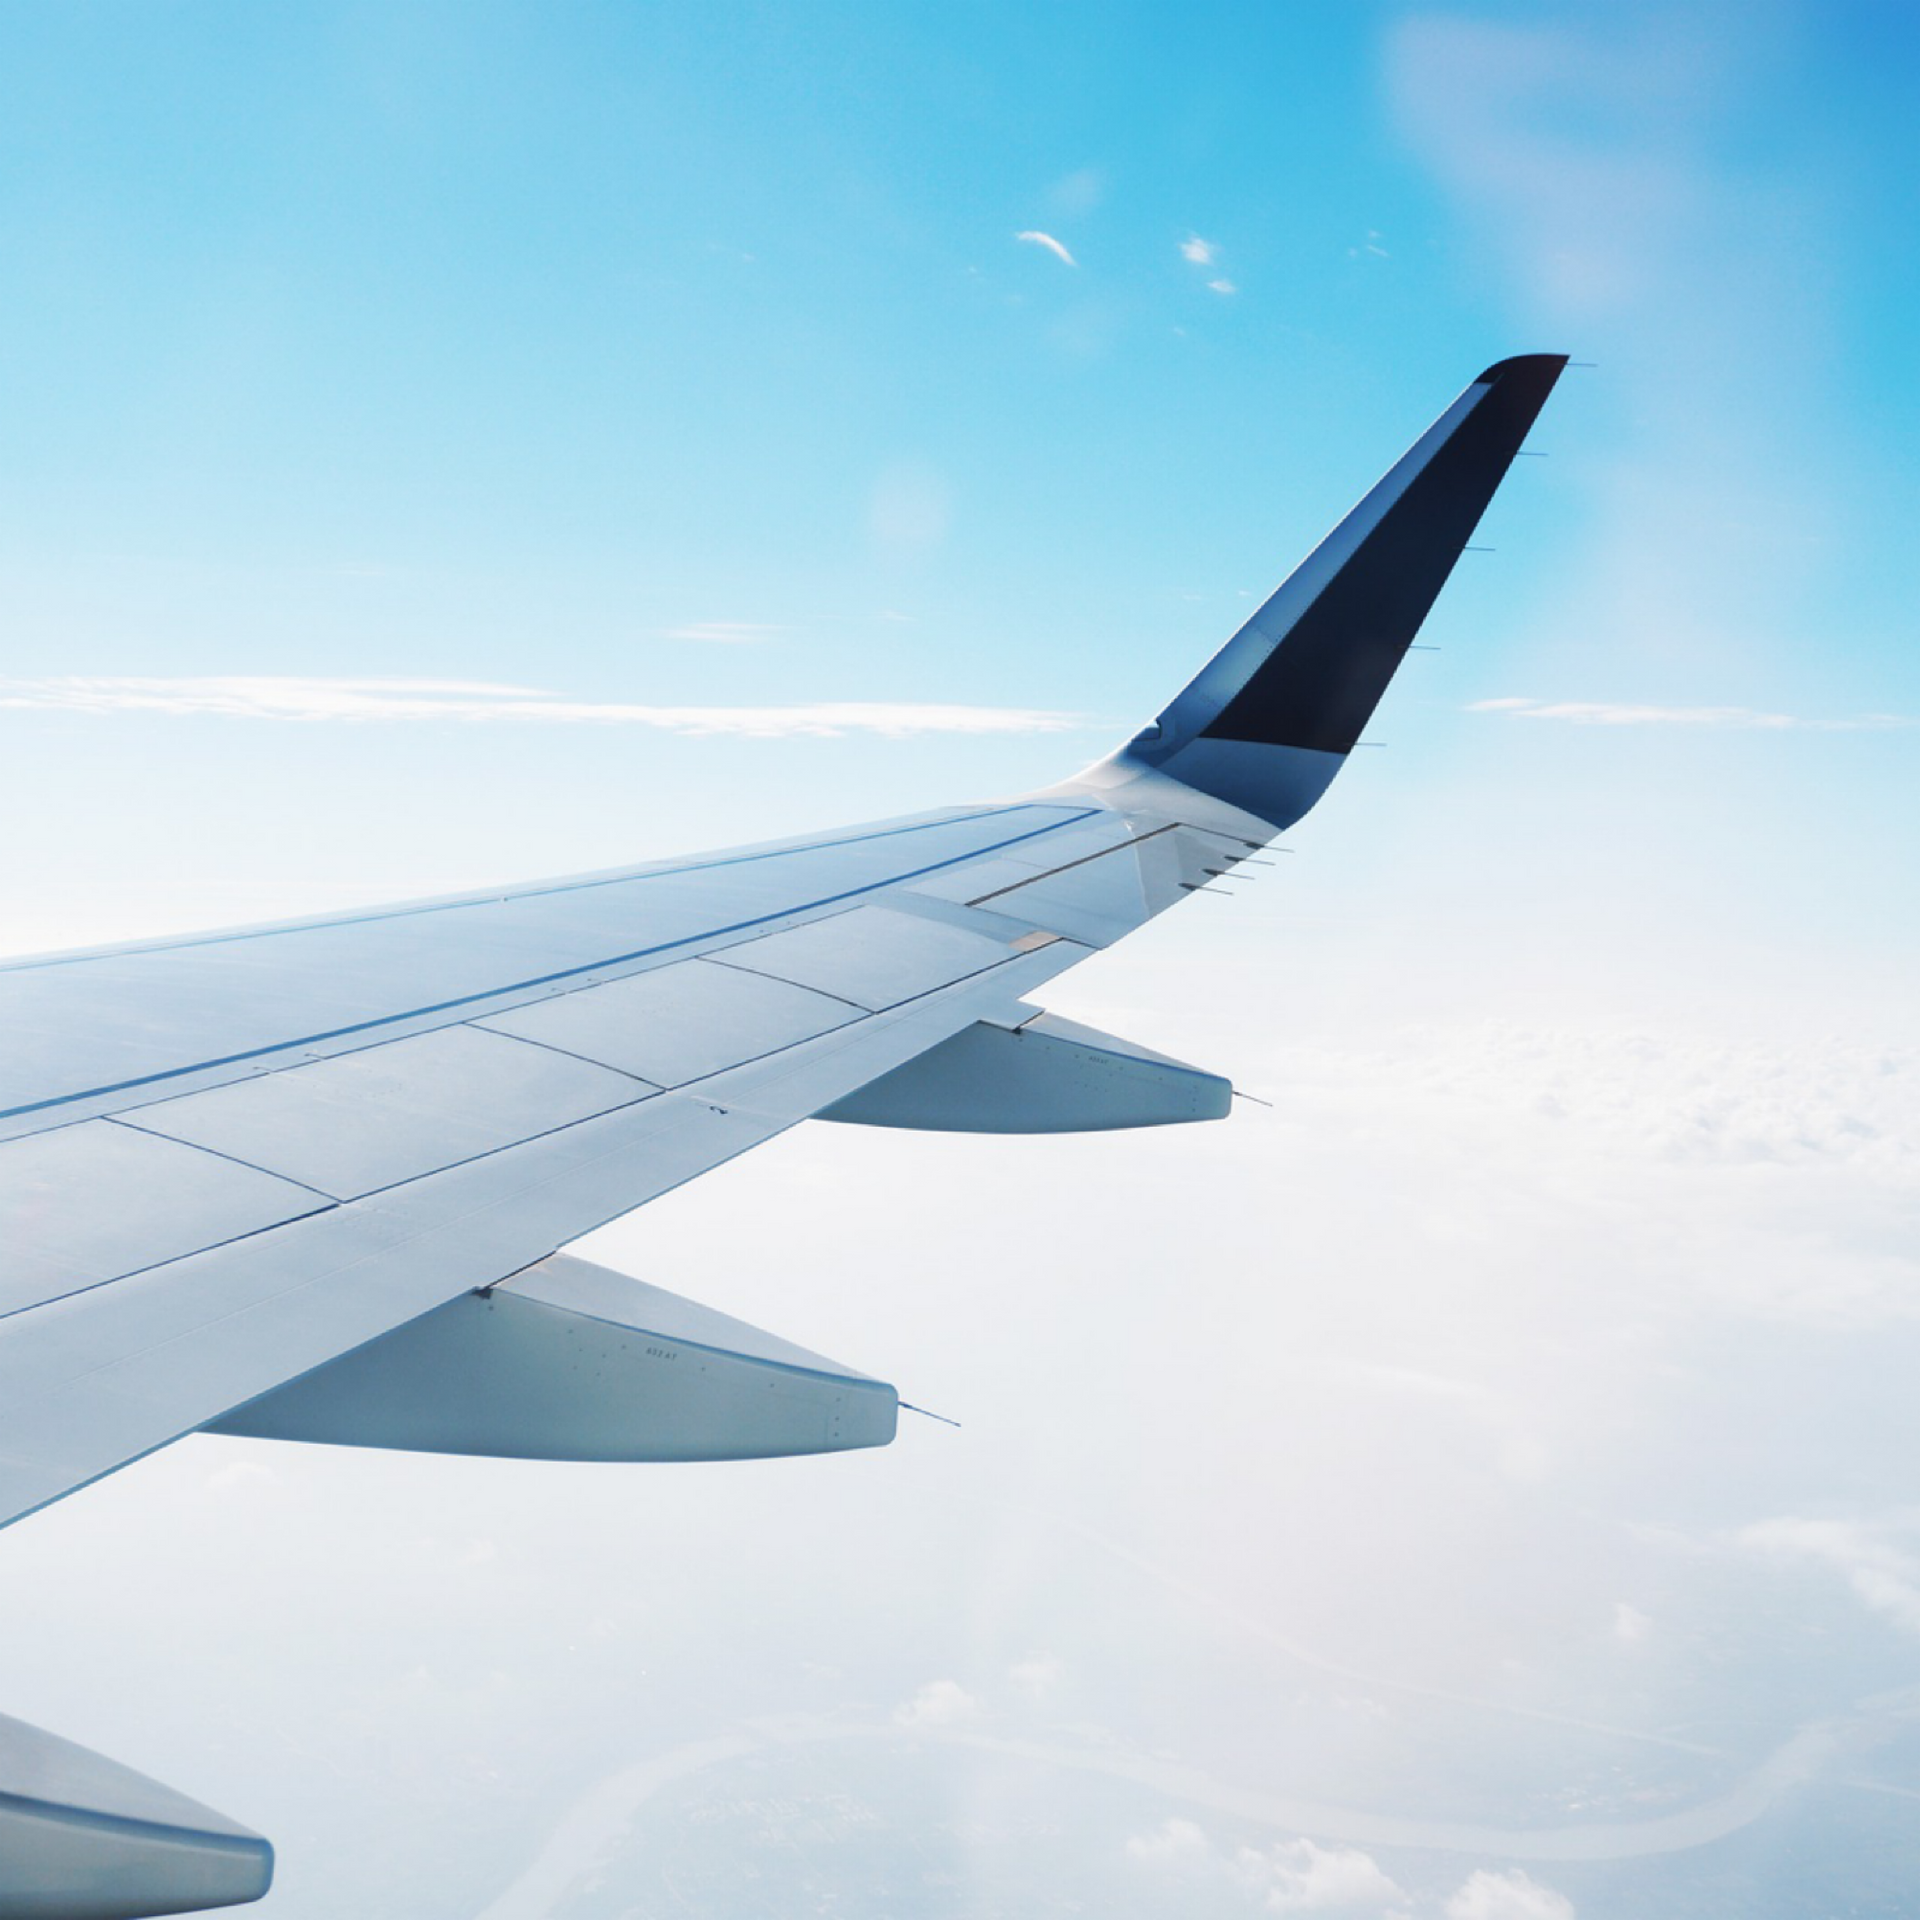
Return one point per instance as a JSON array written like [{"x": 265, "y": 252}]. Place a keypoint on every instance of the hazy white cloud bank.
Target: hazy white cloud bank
[
  {"x": 1302, "y": 1877},
  {"x": 940, "y": 1703},
  {"x": 1293, "y": 1876},
  {"x": 1508, "y": 1896},
  {"x": 1298, "y": 1877},
  {"x": 292, "y": 697},
  {"x": 1883, "y": 1574},
  {"x": 1776, "y": 1178},
  {"x": 1649, "y": 1097},
  {"x": 1618, "y": 713}
]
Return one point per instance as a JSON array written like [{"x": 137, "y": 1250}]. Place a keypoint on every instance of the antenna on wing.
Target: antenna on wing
[{"x": 907, "y": 1406}]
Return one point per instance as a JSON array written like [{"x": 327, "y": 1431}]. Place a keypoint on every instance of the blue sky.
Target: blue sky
[
  {"x": 446, "y": 444},
  {"x": 480, "y": 346}
]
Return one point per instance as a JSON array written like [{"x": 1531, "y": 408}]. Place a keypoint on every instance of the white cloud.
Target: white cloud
[
  {"x": 291, "y": 697},
  {"x": 1884, "y": 1577},
  {"x": 1172, "y": 1843},
  {"x": 940, "y": 1703},
  {"x": 1300, "y": 1877},
  {"x": 722, "y": 632},
  {"x": 1204, "y": 253},
  {"x": 1034, "y": 237},
  {"x": 1779, "y": 1178},
  {"x": 1507, "y": 1896},
  {"x": 1039, "y": 1673},
  {"x": 1615, "y": 713},
  {"x": 1295, "y": 1876},
  {"x": 1630, "y": 1625}
]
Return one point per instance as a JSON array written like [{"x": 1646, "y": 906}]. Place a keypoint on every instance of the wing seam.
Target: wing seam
[{"x": 522, "y": 986}]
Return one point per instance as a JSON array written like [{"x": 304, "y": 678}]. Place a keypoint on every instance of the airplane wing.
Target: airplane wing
[{"x": 313, "y": 1180}]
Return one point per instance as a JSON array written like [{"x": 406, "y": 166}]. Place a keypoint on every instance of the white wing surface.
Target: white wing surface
[{"x": 247, "y": 1179}]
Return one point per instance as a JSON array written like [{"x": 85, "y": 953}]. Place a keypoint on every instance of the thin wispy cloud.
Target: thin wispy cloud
[
  {"x": 1616, "y": 713},
  {"x": 274, "y": 697},
  {"x": 1197, "y": 252},
  {"x": 1035, "y": 238},
  {"x": 1078, "y": 192},
  {"x": 723, "y": 633}
]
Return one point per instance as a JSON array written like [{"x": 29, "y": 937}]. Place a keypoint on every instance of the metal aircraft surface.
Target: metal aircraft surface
[{"x": 313, "y": 1181}]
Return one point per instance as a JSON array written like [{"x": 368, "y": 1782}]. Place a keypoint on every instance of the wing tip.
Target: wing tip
[{"x": 1544, "y": 367}]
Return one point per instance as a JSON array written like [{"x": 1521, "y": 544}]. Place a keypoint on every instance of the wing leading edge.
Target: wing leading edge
[{"x": 247, "y": 1179}]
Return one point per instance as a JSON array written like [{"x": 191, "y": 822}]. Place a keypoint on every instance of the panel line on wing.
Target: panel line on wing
[
  {"x": 873, "y": 956},
  {"x": 172, "y": 1260},
  {"x": 362, "y": 1122},
  {"x": 521, "y": 986},
  {"x": 217, "y": 1153},
  {"x": 1067, "y": 866},
  {"x": 720, "y": 959},
  {"x": 415, "y": 909}
]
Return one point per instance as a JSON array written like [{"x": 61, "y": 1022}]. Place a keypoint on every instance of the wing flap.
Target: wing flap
[
  {"x": 678, "y": 1023},
  {"x": 85, "y": 1205},
  {"x": 363, "y": 1121},
  {"x": 569, "y": 1361},
  {"x": 871, "y": 957}
]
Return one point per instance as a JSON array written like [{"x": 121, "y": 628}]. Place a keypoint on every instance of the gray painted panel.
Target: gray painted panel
[
  {"x": 803, "y": 1080},
  {"x": 678, "y": 1023},
  {"x": 84, "y": 1204},
  {"x": 872, "y": 956},
  {"x": 1049, "y": 1076},
  {"x": 390, "y": 1113},
  {"x": 1278, "y": 783},
  {"x": 1095, "y": 901},
  {"x": 84, "y": 1838},
  {"x": 573, "y": 1362},
  {"x": 601, "y": 1293},
  {"x": 99, "y": 1021}
]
